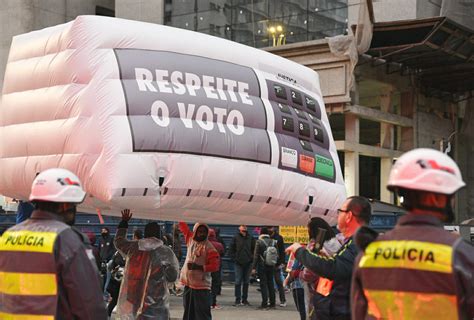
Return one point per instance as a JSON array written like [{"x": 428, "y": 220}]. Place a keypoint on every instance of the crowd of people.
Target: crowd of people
[{"x": 417, "y": 270}]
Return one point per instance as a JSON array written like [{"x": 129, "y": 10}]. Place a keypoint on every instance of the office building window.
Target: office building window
[{"x": 260, "y": 23}]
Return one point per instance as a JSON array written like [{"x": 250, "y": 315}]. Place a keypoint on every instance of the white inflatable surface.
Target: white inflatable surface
[{"x": 232, "y": 134}]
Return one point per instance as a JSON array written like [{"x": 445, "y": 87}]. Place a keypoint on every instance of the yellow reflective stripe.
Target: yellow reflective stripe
[
  {"x": 330, "y": 258},
  {"x": 25, "y": 240},
  {"x": 33, "y": 284},
  {"x": 345, "y": 247},
  {"x": 410, "y": 305},
  {"x": 12, "y": 316},
  {"x": 319, "y": 255},
  {"x": 408, "y": 255}
]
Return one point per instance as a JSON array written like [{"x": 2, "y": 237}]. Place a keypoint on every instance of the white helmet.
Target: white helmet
[
  {"x": 426, "y": 170},
  {"x": 57, "y": 185}
]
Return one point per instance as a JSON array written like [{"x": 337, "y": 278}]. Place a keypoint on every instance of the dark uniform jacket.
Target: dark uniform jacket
[
  {"x": 338, "y": 269},
  {"x": 415, "y": 271},
  {"x": 241, "y": 248},
  {"x": 48, "y": 270}
]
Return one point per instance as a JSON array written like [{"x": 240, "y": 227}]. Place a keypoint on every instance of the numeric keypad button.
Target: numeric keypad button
[
  {"x": 284, "y": 108},
  {"x": 296, "y": 97},
  {"x": 300, "y": 114},
  {"x": 280, "y": 91},
  {"x": 310, "y": 103},
  {"x": 306, "y": 145},
  {"x": 303, "y": 129},
  {"x": 318, "y": 133},
  {"x": 287, "y": 124}
]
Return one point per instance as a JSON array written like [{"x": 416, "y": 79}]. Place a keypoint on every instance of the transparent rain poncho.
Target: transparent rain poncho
[{"x": 149, "y": 266}]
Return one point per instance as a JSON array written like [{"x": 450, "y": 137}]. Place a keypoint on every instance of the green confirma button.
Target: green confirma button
[{"x": 324, "y": 167}]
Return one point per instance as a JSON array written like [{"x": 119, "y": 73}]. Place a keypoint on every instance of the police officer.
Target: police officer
[
  {"x": 47, "y": 269},
  {"x": 417, "y": 270}
]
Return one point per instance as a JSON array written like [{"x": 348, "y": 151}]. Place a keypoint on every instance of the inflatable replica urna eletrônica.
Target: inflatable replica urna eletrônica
[{"x": 170, "y": 123}]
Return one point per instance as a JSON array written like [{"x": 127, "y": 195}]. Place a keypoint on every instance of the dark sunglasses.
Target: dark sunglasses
[
  {"x": 353, "y": 214},
  {"x": 340, "y": 210}
]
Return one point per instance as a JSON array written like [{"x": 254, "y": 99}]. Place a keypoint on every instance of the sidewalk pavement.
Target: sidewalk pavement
[{"x": 228, "y": 312}]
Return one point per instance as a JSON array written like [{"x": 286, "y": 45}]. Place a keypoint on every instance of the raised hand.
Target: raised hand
[{"x": 126, "y": 215}]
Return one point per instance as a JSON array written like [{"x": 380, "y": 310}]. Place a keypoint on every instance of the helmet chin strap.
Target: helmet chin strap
[
  {"x": 411, "y": 202},
  {"x": 447, "y": 211},
  {"x": 69, "y": 215}
]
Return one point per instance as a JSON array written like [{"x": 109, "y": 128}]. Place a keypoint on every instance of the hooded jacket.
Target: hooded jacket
[
  {"x": 149, "y": 266},
  {"x": 213, "y": 239},
  {"x": 95, "y": 251},
  {"x": 199, "y": 252}
]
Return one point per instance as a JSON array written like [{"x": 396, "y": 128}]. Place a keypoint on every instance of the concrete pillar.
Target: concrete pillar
[
  {"x": 351, "y": 159},
  {"x": 385, "y": 167},
  {"x": 386, "y": 129},
  {"x": 464, "y": 151},
  {"x": 407, "y": 109},
  {"x": 352, "y": 127},
  {"x": 351, "y": 172},
  {"x": 386, "y": 141},
  {"x": 141, "y": 10}
]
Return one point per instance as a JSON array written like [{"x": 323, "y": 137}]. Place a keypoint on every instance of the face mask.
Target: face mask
[
  {"x": 201, "y": 238},
  {"x": 70, "y": 216},
  {"x": 104, "y": 234}
]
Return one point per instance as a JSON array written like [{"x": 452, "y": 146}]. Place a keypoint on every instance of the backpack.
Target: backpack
[{"x": 270, "y": 255}]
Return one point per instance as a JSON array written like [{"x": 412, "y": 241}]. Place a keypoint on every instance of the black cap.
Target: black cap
[{"x": 153, "y": 229}]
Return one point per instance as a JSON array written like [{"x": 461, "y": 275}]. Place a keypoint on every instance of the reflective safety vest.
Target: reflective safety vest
[
  {"x": 409, "y": 278},
  {"x": 28, "y": 281}
]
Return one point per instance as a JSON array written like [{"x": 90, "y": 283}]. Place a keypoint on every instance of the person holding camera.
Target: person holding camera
[{"x": 337, "y": 271}]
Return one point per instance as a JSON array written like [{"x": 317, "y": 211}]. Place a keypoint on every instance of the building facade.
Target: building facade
[{"x": 260, "y": 23}]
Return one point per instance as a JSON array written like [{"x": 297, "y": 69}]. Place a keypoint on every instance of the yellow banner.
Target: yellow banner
[
  {"x": 302, "y": 234},
  {"x": 410, "y": 305},
  {"x": 11, "y": 316},
  {"x": 288, "y": 233},
  {"x": 30, "y": 241},
  {"x": 292, "y": 234},
  {"x": 28, "y": 284},
  {"x": 408, "y": 255}
]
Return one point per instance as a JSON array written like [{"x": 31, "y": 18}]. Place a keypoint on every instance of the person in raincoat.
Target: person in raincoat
[
  {"x": 149, "y": 266},
  {"x": 201, "y": 260}
]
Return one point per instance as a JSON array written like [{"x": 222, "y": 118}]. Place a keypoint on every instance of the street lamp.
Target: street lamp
[
  {"x": 281, "y": 39},
  {"x": 277, "y": 35}
]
